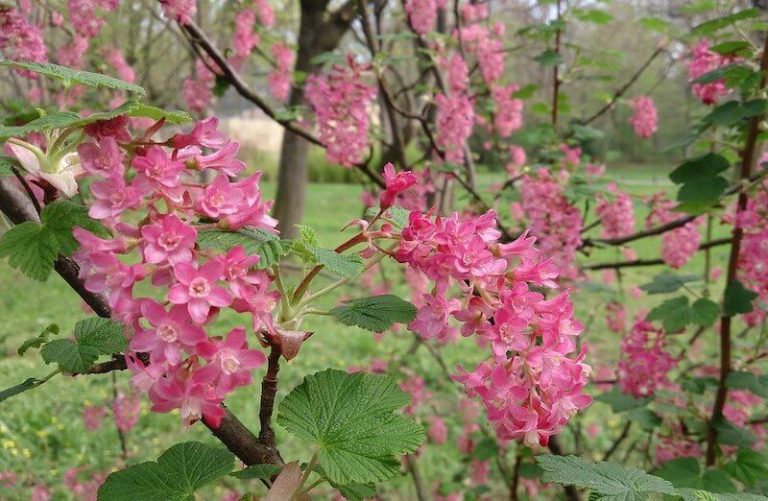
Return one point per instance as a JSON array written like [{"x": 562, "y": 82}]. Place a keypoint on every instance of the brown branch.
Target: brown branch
[
  {"x": 199, "y": 38},
  {"x": 624, "y": 88},
  {"x": 267, "y": 402},
  {"x": 556, "y": 70},
  {"x": 650, "y": 262},
  {"x": 418, "y": 482},
  {"x": 232, "y": 433},
  {"x": 726, "y": 364},
  {"x": 616, "y": 443}
]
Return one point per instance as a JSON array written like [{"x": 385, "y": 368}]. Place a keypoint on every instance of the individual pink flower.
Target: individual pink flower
[
  {"x": 238, "y": 271},
  {"x": 224, "y": 160},
  {"x": 168, "y": 333},
  {"x": 168, "y": 240},
  {"x": 198, "y": 289},
  {"x": 220, "y": 198},
  {"x": 116, "y": 128},
  {"x": 645, "y": 120},
  {"x": 112, "y": 197},
  {"x": 103, "y": 158},
  {"x": 230, "y": 361},
  {"x": 395, "y": 183},
  {"x": 195, "y": 401},
  {"x": 204, "y": 133},
  {"x": 432, "y": 319},
  {"x": 156, "y": 169}
]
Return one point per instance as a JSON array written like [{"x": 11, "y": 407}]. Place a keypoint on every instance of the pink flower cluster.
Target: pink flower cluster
[
  {"x": 342, "y": 101},
  {"x": 20, "y": 39},
  {"x": 84, "y": 15},
  {"x": 617, "y": 214},
  {"x": 116, "y": 59},
  {"x": 281, "y": 79},
  {"x": 680, "y": 244},
  {"x": 487, "y": 45},
  {"x": 533, "y": 381},
  {"x": 245, "y": 39},
  {"x": 455, "y": 112},
  {"x": 182, "y": 11},
  {"x": 422, "y": 14},
  {"x": 644, "y": 362},
  {"x": 616, "y": 316},
  {"x": 508, "y": 116},
  {"x": 645, "y": 120},
  {"x": 552, "y": 218},
  {"x": 197, "y": 90},
  {"x": 702, "y": 62},
  {"x": 187, "y": 367}
]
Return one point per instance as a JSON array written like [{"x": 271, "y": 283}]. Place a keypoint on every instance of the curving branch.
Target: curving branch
[
  {"x": 624, "y": 88},
  {"x": 649, "y": 262},
  {"x": 748, "y": 157},
  {"x": 232, "y": 433}
]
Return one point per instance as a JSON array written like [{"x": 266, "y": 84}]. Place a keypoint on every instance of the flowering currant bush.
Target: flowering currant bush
[{"x": 492, "y": 202}]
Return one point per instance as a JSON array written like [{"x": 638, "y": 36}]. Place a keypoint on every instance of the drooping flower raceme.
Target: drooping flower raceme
[
  {"x": 533, "y": 380},
  {"x": 644, "y": 362},
  {"x": 552, "y": 218},
  {"x": 186, "y": 366},
  {"x": 281, "y": 78},
  {"x": 341, "y": 100},
  {"x": 702, "y": 62},
  {"x": 20, "y": 39},
  {"x": 616, "y": 212},
  {"x": 645, "y": 120},
  {"x": 680, "y": 244}
]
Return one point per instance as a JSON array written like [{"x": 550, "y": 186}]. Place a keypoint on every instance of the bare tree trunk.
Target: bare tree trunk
[{"x": 318, "y": 32}]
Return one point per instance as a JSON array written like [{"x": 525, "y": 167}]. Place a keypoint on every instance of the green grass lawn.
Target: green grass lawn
[{"x": 42, "y": 433}]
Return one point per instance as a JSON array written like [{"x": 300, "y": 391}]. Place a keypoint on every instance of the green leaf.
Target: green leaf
[
  {"x": 267, "y": 246},
  {"x": 715, "y": 25},
  {"x": 730, "y": 434},
  {"x": 655, "y": 24},
  {"x": 7, "y": 164},
  {"x": 93, "y": 337},
  {"x": 682, "y": 472},
  {"x": 611, "y": 481},
  {"x": 259, "y": 471},
  {"x": 349, "y": 418},
  {"x": 525, "y": 92},
  {"x": 702, "y": 495},
  {"x": 645, "y": 418},
  {"x": 592, "y": 16},
  {"x": 620, "y": 402},
  {"x": 376, "y": 313},
  {"x": 176, "y": 475},
  {"x": 39, "y": 340},
  {"x": 155, "y": 113},
  {"x": 549, "y": 58},
  {"x": 668, "y": 282},
  {"x": 742, "y": 380},
  {"x": 56, "y": 120},
  {"x": 732, "y": 47},
  {"x": 583, "y": 133},
  {"x": 59, "y": 218},
  {"x": 30, "y": 250},
  {"x": 70, "y": 76},
  {"x": 733, "y": 112},
  {"x": 343, "y": 265},
  {"x": 708, "y": 165},
  {"x": 487, "y": 448},
  {"x": 717, "y": 481},
  {"x": 749, "y": 467},
  {"x": 676, "y": 313},
  {"x": 356, "y": 492},
  {"x": 737, "y": 299}
]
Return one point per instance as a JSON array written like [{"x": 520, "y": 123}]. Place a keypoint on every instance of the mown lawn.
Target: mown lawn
[{"x": 42, "y": 432}]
